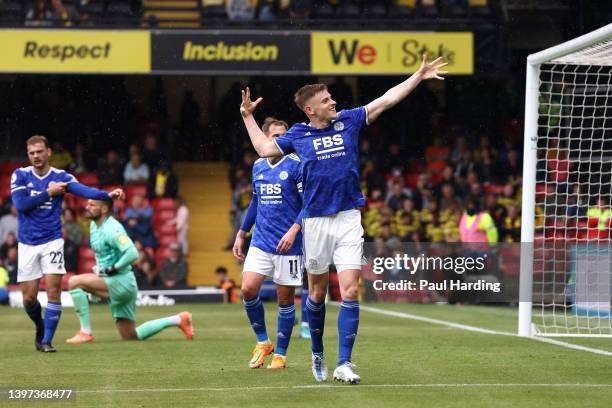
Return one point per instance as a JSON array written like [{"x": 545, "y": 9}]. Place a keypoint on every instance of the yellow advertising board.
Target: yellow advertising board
[
  {"x": 391, "y": 53},
  {"x": 75, "y": 51}
]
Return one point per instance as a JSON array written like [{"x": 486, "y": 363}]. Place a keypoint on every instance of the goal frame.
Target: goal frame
[{"x": 534, "y": 61}]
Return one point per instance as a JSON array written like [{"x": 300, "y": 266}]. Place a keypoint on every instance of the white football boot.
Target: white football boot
[
  {"x": 346, "y": 373},
  {"x": 319, "y": 367}
]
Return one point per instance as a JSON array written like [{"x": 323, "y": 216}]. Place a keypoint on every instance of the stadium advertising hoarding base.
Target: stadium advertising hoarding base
[
  {"x": 199, "y": 52},
  {"x": 162, "y": 297}
]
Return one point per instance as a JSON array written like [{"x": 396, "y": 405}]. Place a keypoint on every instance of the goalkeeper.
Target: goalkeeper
[{"x": 114, "y": 280}]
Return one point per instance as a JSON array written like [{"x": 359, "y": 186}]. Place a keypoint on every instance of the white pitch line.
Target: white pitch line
[
  {"x": 339, "y": 387},
  {"x": 478, "y": 329}
]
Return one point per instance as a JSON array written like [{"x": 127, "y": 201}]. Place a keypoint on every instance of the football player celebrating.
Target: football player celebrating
[
  {"x": 329, "y": 150},
  {"x": 276, "y": 246}
]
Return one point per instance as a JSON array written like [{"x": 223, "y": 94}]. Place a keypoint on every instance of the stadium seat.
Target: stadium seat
[
  {"x": 165, "y": 229},
  {"x": 166, "y": 240},
  {"x": 540, "y": 192},
  {"x": 164, "y": 204},
  {"x": 119, "y": 205},
  {"x": 161, "y": 254},
  {"x": 5, "y": 190},
  {"x": 455, "y": 9},
  {"x": 162, "y": 216},
  {"x": 69, "y": 199},
  {"x": 93, "y": 8},
  {"x": 79, "y": 202},
  {"x": 111, "y": 187},
  {"x": 374, "y": 8},
  {"x": 348, "y": 9},
  {"x": 7, "y": 168},
  {"x": 120, "y": 9},
  {"x": 494, "y": 188},
  {"x": 65, "y": 279},
  {"x": 511, "y": 260},
  {"x": 417, "y": 166},
  {"x": 322, "y": 9},
  {"x": 89, "y": 179},
  {"x": 411, "y": 180},
  {"x": 86, "y": 265},
  {"x": 429, "y": 8},
  {"x": 436, "y": 178},
  {"x": 11, "y": 11},
  {"x": 86, "y": 253},
  {"x": 135, "y": 189}
]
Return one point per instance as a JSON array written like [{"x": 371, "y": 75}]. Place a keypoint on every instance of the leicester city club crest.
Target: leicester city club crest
[
  {"x": 338, "y": 126},
  {"x": 283, "y": 175}
]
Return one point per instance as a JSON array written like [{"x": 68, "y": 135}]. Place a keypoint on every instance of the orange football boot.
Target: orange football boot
[
  {"x": 260, "y": 352},
  {"x": 186, "y": 326},
  {"x": 80, "y": 338},
  {"x": 278, "y": 361}
]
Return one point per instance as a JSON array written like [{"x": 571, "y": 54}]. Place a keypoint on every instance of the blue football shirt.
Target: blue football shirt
[
  {"x": 330, "y": 162},
  {"x": 38, "y": 215},
  {"x": 277, "y": 189}
]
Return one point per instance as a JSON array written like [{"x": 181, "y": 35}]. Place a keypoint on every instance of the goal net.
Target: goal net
[{"x": 566, "y": 276}]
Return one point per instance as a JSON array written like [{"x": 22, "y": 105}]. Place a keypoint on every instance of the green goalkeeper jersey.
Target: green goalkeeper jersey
[{"x": 112, "y": 246}]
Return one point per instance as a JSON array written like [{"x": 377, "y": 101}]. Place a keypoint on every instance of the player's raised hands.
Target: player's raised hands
[
  {"x": 432, "y": 69},
  {"x": 57, "y": 188},
  {"x": 117, "y": 194},
  {"x": 248, "y": 106}
]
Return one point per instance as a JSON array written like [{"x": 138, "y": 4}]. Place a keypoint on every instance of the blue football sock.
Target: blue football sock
[
  {"x": 316, "y": 321},
  {"x": 255, "y": 311},
  {"x": 35, "y": 314},
  {"x": 52, "y": 317},
  {"x": 286, "y": 317},
  {"x": 348, "y": 322},
  {"x": 304, "y": 309}
]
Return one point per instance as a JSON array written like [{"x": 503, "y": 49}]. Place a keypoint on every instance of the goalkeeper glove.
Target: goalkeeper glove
[{"x": 105, "y": 270}]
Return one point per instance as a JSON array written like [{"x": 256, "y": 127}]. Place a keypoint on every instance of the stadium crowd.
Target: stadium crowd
[
  {"x": 422, "y": 200},
  {"x": 137, "y": 12},
  {"x": 419, "y": 195}
]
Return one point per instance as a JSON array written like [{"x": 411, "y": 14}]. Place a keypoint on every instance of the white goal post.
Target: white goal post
[{"x": 566, "y": 268}]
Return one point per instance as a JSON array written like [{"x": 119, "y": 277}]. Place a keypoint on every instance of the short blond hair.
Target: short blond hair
[
  {"x": 37, "y": 139},
  {"x": 306, "y": 92},
  {"x": 270, "y": 121}
]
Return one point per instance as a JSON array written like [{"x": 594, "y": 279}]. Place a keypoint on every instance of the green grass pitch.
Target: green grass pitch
[{"x": 403, "y": 363}]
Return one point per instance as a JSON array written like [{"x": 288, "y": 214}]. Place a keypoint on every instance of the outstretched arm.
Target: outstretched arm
[
  {"x": 82, "y": 190},
  {"x": 399, "y": 92},
  {"x": 263, "y": 146}
]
